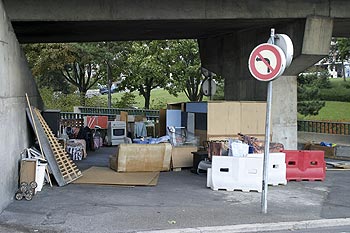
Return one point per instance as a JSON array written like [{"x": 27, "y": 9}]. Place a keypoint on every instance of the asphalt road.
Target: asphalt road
[{"x": 180, "y": 200}]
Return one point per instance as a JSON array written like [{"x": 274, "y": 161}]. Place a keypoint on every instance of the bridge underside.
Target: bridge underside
[
  {"x": 101, "y": 20},
  {"x": 88, "y": 31},
  {"x": 227, "y": 31}
]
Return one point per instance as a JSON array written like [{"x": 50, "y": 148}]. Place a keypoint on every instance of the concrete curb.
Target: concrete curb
[{"x": 261, "y": 227}]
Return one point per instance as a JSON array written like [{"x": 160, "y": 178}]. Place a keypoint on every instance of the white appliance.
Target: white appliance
[{"x": 116, "y": 132}]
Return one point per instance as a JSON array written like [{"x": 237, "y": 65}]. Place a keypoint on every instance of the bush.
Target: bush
[
  {"x": 323, "y": 80},
  {"x": 66, "y": 102},
  {"x": 335, "y": 94},
  {"x": 311, "y": 108},
  {"x": 220, "y": 92},
  {"x": 127, "y": 100},
  {"x": 158, "y": 104},
  {"x": 58, "y": 100}
]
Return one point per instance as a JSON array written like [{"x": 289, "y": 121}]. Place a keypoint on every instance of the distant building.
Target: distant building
[{"x": 335, "y": 69}]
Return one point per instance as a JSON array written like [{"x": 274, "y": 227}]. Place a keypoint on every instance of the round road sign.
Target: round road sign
[
  {"x": 205, "y": 87},
  {"x": 285, "y": 43},
  {"x": 266, "y": 62}
]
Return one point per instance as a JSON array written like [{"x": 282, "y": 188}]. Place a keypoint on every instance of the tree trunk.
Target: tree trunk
[
  {"x": 82, "y": 98},
  {"x": 343, "y": 70},
  {"x": 147, "y": 97}
]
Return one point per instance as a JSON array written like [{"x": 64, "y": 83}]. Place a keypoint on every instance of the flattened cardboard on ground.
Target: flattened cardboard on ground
[
  {"x": 28, "y": 170},
  {"x": 181, "y": 156},
  {"x": 106, "y": 176},
  {"x": 144, "y": 157}
]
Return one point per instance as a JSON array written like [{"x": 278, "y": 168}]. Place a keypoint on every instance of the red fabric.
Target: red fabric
[{"x": 101, "y": 121}]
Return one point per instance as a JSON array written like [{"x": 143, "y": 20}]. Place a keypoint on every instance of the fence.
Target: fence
[
  {"x": 340, "y": 128},
  {"x": 110, "y": 112}
]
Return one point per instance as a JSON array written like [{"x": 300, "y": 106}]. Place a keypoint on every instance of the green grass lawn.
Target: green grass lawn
[
  {"x": 159, "y": 98},
  {"x": 338, "y": 82},
  {"x": 333, "y": 111}
]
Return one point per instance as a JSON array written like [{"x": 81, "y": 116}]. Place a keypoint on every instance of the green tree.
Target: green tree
[
  {"x": 184, "y": 66},
  {"x": 146, "y": 68},
  {"x": 185, "y": 69},
  {"x": 72, "y": 60},
  {"x": 80, "y": 64},
  {"x": 343, "y": 52},
  {"x": 308, "y": 92}
]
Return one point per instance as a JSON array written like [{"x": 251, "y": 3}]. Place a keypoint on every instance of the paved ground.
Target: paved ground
[{"x": 180, "y": 200}]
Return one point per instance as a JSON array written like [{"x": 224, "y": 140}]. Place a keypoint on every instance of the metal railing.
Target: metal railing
[
  {"x": 110, "y": 112},
  {"x": 341, "y": 128},
  {"x": 116, "y": 111}
]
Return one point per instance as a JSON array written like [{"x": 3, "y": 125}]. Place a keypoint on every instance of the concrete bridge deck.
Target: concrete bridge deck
[{"x": 90, "y": 20}]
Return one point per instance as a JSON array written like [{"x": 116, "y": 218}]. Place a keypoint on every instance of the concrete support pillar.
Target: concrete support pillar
[
  {"x": 228, "y": 56},
  {"x": 15, "y": 81},
  {"x": 284, "y": 111}
]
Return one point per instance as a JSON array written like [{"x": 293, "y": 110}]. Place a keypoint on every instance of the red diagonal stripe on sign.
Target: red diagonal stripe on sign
[{"x": 265, "y": 62}]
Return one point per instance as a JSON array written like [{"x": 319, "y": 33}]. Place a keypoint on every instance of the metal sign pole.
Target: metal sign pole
[
  {"x": 267, "y": 140},
  {"x": 210, "y": 92}
]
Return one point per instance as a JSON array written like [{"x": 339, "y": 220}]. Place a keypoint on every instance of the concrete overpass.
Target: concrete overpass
[
  {"x": 227, "y": 31},
  {"x": 91, "y": 20}
]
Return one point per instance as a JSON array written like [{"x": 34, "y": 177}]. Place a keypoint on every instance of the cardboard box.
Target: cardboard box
[
  {"x": 113, "y": 162},
  {"x": 28, "y": 170},
  {"x": 225, "y": 119},
  {"x": 140, "y": 118},
  {"x": 329, "y": 152},
  {"x": 177, "y": 106},
  {"x": 143, "y": 157},
  {"x": 182, "y": 156}
]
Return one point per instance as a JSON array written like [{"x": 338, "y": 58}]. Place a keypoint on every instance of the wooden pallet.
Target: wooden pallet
[{"x": 68, "y": 169}]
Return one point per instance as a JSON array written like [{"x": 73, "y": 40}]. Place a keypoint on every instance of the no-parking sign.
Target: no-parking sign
[{"x": 266, "y": 62}]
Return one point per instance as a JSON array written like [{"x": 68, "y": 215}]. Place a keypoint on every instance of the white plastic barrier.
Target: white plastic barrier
[
  {"x": 209, "y": 178},
  {"x": 277, "y": 168},
  {"x": 236, "y": 173},
  {"x": 40, "y": 175}
]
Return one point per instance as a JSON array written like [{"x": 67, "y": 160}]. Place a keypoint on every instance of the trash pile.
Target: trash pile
[{"x": 36, "y": 166}]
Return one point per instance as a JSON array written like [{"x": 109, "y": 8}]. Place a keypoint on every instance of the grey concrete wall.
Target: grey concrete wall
[{"x": 15, "y": 81}]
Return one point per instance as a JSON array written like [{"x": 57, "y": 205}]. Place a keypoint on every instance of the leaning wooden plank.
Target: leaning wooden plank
[
  {"x": 36, "y": 132},
  {"x": 50, "y": 157},
  {"x": 66, "y": 165}
]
